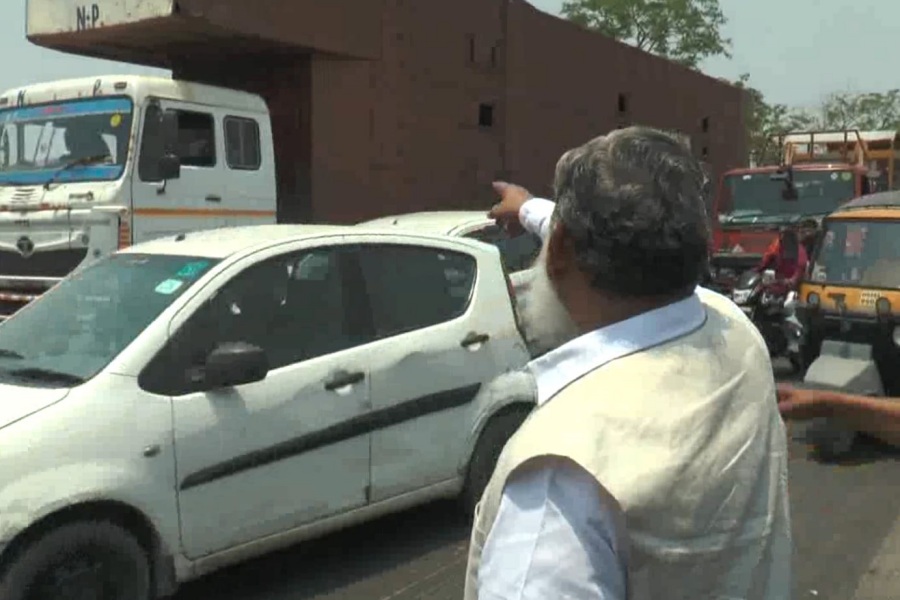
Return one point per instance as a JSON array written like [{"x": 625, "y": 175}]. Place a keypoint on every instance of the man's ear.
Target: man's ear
[{"x": 560, "y": 256}]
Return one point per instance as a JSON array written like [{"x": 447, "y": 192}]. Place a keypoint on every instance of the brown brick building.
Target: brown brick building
[{"x": 404, "y": 105}]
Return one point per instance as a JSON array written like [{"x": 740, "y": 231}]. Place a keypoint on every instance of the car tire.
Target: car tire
[
  {"x": 79, "y": 554},
  {"x": 490, "y": 444}
]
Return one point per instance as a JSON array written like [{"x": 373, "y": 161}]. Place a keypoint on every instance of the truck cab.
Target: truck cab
[
  {"x": 819, "y": 172},
  {"x": 88, "y": 166}
]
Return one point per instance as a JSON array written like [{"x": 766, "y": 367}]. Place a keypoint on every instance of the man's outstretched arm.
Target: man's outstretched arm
[{"x": 879, "y": 417}]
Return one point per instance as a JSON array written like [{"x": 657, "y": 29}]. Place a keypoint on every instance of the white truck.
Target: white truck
[{"x": 91, "y": 165}]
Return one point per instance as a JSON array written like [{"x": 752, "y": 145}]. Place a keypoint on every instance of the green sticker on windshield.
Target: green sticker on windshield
[
  {"x": 846, "y": 176},
  {"x": 192, "y": 269},
  {"x": 169, "y": 286}
]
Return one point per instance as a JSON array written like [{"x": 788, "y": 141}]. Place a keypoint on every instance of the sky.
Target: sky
[{"x": 796, "y": 51}]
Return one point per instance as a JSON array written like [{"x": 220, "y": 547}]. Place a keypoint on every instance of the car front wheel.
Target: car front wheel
[{"x": 81, "y": 560}]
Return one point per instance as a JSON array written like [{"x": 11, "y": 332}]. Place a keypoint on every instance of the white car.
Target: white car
[
  {"x": 518, "y": 252},
  {"x": 197, "y": 400}
]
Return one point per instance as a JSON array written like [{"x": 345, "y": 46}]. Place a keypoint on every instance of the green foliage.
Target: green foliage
[
  {"x": 867, "y": 111},
  {"x": 764, "y": 121},
  {"x": 685, "y": 31}
]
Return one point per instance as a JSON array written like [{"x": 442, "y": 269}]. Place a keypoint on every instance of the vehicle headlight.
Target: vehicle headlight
[
  {"x": 812, "y": 299},
  {"x": 897, "y": 335}
]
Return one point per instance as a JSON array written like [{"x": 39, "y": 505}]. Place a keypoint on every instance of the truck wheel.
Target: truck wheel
[
  {"x": 490, "y": 444},
  {"x": 87, "y": 559}
]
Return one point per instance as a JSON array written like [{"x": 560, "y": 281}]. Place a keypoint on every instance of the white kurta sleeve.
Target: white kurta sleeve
[
  {"x": 535, "y": 216},
  {"x": 555, "y": 537}
]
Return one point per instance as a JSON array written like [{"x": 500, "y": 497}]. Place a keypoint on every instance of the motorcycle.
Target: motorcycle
[{"x": 772, "y": 308}]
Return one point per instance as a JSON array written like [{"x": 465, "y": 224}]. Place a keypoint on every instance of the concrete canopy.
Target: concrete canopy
[{"x": 160, "y": 32}]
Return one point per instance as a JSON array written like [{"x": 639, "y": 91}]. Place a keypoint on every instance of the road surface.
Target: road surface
[{"x": 846, "y": 531}]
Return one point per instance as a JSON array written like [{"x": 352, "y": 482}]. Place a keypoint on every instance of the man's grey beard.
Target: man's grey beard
[{"x": 545, "y": 321}]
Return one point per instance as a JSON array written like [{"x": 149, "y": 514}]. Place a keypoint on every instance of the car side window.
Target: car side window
[
  {"x": 295, "y": 307},
  {"x": 518, "y": 253},
  {"x": 412, "y": 287}
]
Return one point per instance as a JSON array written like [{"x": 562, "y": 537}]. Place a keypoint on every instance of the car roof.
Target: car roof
[
  {"x": 224, "y": 242},
  {"x": 437, "y": 221}
]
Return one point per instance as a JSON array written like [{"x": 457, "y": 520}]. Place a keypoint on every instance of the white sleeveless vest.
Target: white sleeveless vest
[{"x": 687, "y": 438}]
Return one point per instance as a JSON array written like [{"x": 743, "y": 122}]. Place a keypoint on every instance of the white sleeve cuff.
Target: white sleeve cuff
[{"x": 535, "y": 216}]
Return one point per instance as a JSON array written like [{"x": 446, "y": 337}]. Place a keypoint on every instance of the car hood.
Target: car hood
[{"x": 18, "y": 402}]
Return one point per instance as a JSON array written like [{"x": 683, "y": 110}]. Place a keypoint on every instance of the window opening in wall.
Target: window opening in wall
[
  {"x": 485, "y": 115},
  {"x": 471, "y": 39},
  {"x": 494, "y": 56},
  {"x": 623, "y": 103},
  {"x": 705, "y": 124},
  {"x": 704, "y": 153}
]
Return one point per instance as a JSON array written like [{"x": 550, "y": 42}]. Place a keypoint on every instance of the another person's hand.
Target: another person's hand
[
  {"x": 506, "y": 211},
  {"x": 799, "y": 404}
]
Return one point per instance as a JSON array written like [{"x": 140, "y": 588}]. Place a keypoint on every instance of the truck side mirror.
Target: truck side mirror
[{"x": 169, "y": 167}]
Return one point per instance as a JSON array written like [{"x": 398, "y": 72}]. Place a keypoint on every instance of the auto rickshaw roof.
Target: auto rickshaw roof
[{"x": 883, "y": 203}]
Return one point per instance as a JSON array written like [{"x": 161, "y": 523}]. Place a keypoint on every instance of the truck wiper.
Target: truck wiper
[
  {"x": 49, "y": 375},
  {"x": 79, "y": 162},
  {"x": 4, "y": 353}
]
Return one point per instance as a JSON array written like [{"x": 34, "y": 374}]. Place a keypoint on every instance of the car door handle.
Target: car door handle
[
  {"x": 474, "y": 338},
  {"x": 343, "y": 379},
  {"x": 213, "y": 198}
]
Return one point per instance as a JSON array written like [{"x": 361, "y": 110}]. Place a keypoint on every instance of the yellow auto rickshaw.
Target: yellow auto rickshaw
[{"x": 849, "y": 305}]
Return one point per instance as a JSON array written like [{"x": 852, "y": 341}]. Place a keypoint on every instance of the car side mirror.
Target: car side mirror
[
  {"x": 235, "y": 363},
  {"x": 169, "y": 167}
]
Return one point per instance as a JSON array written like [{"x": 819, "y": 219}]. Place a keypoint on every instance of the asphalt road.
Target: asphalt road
[{"x": 843, "y": 517}]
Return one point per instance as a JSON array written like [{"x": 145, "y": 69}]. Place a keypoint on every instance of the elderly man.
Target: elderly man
[{"x": 655, "y": 466}]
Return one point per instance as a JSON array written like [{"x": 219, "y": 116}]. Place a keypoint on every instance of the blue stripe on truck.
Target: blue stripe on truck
[
  {"x": 98, "y": 172},
  {"x": 67, "y": 108}
]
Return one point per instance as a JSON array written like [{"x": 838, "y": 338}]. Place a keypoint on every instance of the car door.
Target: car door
[
  {"x": 436, "y": 346},
  {"x": 261, "y": 458},
  {"x": 518, "y": 252}
]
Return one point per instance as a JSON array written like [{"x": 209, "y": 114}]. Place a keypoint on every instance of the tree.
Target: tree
[
  {"x": 764, "y": 122},
  {"x": 866, "y": 112},
  {"x": 685, "y": 31}
]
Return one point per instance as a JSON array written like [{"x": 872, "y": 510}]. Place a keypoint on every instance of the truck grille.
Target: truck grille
[
  {"x": 53, "y": 263},
  {"x": 23, "y": 194}
]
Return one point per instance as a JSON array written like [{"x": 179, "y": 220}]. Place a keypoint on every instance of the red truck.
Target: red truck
[{"x": 819, "y": 171}]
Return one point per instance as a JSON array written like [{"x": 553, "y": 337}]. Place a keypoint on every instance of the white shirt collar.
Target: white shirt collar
[{"x": 571, "y": 361}]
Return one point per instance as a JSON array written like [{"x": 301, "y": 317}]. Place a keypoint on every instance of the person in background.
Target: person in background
[
  {"x": 655, "y": 464},
  {"x": 787, "y": 257},
  {"x": 810, "y": 232},
  {"x": 878, "y": 417}
]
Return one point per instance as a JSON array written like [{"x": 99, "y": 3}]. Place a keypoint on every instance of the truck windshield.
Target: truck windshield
[
  {"x": 36, "y": 141},
  {"x": 77, "y": 328},
  {"x": 859, "y": 253},
  {"x": 756, "y": 197}
]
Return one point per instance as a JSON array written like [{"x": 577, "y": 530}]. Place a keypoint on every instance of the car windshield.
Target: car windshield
[
  {"x": 756, "y": 197},
  {"x": 859, "y": 253},
  {"x": 77, "y": 328},
  {"x": 517, "y": 253},
  {"x": 37, "y": 141}
]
